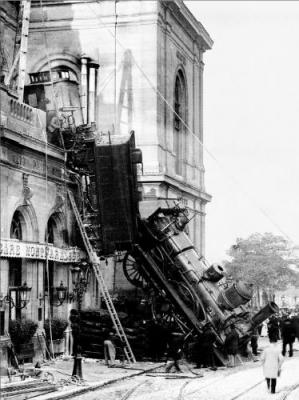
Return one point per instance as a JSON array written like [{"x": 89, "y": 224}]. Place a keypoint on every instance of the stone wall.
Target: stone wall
[{"x": 140, "y": 46}]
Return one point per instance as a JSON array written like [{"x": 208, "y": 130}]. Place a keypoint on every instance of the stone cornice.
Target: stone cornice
[
  {"x": 185, "y": 18},
  {"x": 180, "y": 185},
  {"x": 31, "y": 143},
  {"x": 87, "y": 24}
]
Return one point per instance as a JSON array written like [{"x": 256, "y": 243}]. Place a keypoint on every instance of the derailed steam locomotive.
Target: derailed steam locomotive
[{"x": 160, "y": 256}]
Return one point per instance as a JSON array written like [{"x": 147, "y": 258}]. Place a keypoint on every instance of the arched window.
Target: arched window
[
  {"x": 16, "y": 226},
  {"x": 51, "y": 228},
  {"x": 63, "y": 73},
  {"x": 180, "y": 115}
]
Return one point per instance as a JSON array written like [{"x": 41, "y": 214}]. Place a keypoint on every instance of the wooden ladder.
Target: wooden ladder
[{"x": 96, "y": 264}]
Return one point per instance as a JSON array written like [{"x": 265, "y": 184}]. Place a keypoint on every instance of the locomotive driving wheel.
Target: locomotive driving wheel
[
  {"x": 132, "y": 271},
  {"x": 163, "y": 309}
]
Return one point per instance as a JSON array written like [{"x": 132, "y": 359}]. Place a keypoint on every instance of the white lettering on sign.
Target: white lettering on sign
[{"x": 10, "y": 248}]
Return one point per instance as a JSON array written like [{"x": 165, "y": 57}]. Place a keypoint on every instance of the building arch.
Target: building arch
[
  {"x": 180, "y": 118},
  {"x": 17, "y": 231},
  {"x": 62, "y": 91},
  {"x": 57, "y": 60},
  {"x": 27, "y": 221},
  {"x": 56, "y": 232}
]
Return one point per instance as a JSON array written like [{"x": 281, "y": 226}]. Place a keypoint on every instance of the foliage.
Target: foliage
[
  {"x": 22, "y": 331},
  {"x": 58, "y": 326},
  {"x": 262, "y": 259}
]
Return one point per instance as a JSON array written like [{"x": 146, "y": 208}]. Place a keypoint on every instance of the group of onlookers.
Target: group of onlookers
[{"x": 284, "y": 327}]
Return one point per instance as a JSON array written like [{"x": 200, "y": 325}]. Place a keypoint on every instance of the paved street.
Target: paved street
[
  {"x": 148, "y": 381},
  {"x": 244, "y": 382}
]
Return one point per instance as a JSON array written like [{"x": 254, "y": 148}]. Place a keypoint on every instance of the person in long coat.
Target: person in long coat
[
  {"x": 231, "y": 345},
  {"x": 272, "y": 360},
  {"x": 288, "y": 335},
  {"x": 109, "y": 350}
]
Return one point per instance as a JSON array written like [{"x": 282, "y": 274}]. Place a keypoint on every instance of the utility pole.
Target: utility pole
[
  {"x": 23, "y": 48},
  {"x": 21, "y": 45}
]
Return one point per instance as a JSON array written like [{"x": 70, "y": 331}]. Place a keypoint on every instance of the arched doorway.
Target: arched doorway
[
  {"x": 49, "y": 266},
  {"x": 15, "y": 267}
]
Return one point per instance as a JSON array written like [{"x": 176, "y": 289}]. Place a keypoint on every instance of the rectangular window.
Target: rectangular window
[
  {"x": 40, "y": 313},
  {"x": 2, "y": 322}
]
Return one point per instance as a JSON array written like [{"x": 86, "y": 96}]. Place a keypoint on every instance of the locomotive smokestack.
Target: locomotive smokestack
[
  {"x": 92, "y": 85},
  {"x": 84, "y": 86}
]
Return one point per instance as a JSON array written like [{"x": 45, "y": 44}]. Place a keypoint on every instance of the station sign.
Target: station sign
[{"x": 12, "y": 248}]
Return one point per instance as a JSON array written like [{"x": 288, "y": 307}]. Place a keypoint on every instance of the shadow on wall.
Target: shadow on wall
[{"x": 120, "y": 112}]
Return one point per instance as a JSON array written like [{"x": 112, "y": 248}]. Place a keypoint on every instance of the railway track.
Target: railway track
[
  {"x": 291, "y": 389},
  {"x": 27, "y": 390}
]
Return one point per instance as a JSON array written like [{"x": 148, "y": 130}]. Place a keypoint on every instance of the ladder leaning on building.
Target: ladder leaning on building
[{"x": 96, "y": 264}]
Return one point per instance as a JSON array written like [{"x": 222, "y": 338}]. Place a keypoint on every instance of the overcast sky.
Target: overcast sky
[{"x": 251, "y": 120}]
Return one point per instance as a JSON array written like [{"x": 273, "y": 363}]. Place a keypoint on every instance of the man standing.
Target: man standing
[
  {"x": 109, "y": 350},
  {"x": 208, "y": 339},
  {"x": 273, "y": 328},
  {"x": 175, "y": 352},
  {"x": 288, "y": 334},
  {"x": 231, "y": 345},
  {"x": 254, "y": 341}
]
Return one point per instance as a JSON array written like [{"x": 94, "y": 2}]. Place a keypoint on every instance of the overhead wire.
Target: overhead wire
[{"x": 190, "y": 130}]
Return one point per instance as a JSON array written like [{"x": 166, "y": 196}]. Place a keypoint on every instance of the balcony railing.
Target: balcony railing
[
  {"x": 21, "y": 111},
  {"x": 21, "y": 118}
]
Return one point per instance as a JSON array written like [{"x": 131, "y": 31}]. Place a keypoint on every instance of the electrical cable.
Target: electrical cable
[
  {"x": 115, "y": 74},
  {"x": 171, "y": 108}
]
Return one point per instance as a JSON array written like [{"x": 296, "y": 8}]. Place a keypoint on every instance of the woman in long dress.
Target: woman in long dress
[{"x": 272, "y": 361}]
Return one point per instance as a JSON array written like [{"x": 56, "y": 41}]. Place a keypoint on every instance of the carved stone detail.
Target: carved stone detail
[
  {"x": 27, "y": 192},
  {"x": 60, "y": 198}
]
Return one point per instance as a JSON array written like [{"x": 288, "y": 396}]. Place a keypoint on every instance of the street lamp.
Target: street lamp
[
  {"x": 22, "y": 297},
  {"x": 80, "y": 280},
  {"x": 75, "y": 271},
  {"x": 61, "y": 291},
  {"x": 24, "y": 293}
]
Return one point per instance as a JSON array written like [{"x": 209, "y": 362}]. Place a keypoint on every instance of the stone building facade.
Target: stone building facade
[
  {"x": 122, "y": 65},
  {"x": 137, "y": 65},
  {"x": 150, "y": 79},
  {"x": 37, "y": 240}
]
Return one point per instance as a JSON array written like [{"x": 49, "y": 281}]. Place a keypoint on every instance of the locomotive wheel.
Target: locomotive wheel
[
  {"x": 163, "y": 308},
  {"x": 132, "y": 271}
]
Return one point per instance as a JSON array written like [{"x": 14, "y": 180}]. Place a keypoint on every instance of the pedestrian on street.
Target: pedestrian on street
[
  {"x": 273, "y": 328},
  {"x": 109, "y": 350},
  {"x": 272, "y": 361},
  {"x": 157, "y": 335},
  {"x": 288, "y": 335},
  {"x": 254, "y": 341},
  {"x": 207, "y": 340},
  {"x": 175, "y": 352},
  {"x": 231, "y": 345}
]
